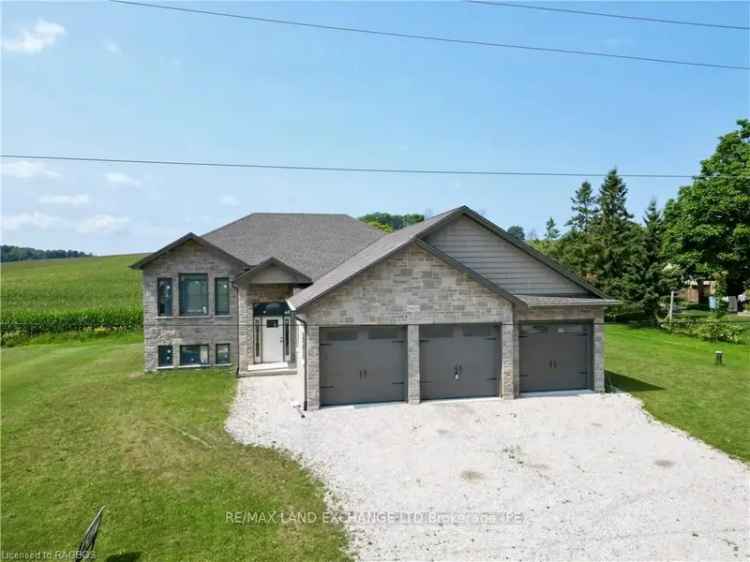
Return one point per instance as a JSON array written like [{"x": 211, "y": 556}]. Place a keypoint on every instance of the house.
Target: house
[{"x": 451, "y": 307}]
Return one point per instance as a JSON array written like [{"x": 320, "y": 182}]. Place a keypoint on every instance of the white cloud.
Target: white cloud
[
  {"x": 76, "y": 200},
  {"x": 102, "y": 224},
  {"x": 112, "y": 47},
  {"x": 36, "y": 220},
  {"x": 229, "y": 201},
  {"x": 119, "y": 179},
  {"x": 32, "y": 40},
  {"x": 25, "y": 170}
]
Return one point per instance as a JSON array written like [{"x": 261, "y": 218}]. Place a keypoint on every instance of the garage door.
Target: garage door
[
  {"x": 555, "y": 356},
  {"x": 361, "y": 364},
  {"x": 458, "y": 361}
]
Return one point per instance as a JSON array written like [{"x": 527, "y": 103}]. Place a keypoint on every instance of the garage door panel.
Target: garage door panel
[
  {"x": 458, "y": 361},
  {"x": 362, "y": 364},
  {"x": 555, "y": 356}
]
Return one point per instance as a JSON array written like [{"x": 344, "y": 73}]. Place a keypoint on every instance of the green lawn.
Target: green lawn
[
  {"x": 679, "y": 383},
  {"x": 83, "y": 427}
]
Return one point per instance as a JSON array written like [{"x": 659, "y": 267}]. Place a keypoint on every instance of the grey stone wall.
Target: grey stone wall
[
  {"x": 592, "y": 314},
  {"x": 178, "y": 330},
  {"x": 409, "y": 288}
]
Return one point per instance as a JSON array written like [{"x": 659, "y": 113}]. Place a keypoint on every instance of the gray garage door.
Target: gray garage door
[
  {"x": 361, "y": 364},
  {"x": 555, "y": 356},
  {"x": 458, "y": 361}
]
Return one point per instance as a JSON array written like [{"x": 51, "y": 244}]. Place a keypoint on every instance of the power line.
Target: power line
[
  {"x": 605, "y": 15},
  {"x": 291, "y": 167},
  {"x": 430, "y": 37}
]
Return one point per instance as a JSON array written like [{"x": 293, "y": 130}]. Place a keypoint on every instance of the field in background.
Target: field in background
[{"x": 53, "y": 296}]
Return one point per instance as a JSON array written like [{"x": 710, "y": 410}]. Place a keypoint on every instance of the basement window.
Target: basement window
[
  {"x": 191, "y": 355},
  {"x": 165, "y": 356}
]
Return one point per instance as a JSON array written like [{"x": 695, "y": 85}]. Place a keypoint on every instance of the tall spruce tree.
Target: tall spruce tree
[
  {"x": 614, "y": 239},
  {"x": 584, "y": 208},
  {"x": 551, "y": 232},
  {"x": 654, "y": 279}
]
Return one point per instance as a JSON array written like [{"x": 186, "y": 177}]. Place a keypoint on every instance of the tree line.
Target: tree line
[
  {"x": 19, "y": 253},
  {"x": 703, "y": 233}
]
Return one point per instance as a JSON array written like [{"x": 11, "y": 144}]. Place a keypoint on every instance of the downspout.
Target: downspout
[{"x": 304, "y": 354}]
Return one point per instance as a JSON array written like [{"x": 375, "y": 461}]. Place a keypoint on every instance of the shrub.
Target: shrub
[{"x": 706, "y": 329}]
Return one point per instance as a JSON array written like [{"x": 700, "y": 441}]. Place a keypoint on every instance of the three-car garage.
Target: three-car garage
[{"x": 364, "y": 364}]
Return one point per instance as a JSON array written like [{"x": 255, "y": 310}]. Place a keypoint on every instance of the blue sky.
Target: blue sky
[{"x": 108, "y": 80}]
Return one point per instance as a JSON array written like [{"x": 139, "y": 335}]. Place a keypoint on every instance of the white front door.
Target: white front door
[{"x": 273, "y": 339}]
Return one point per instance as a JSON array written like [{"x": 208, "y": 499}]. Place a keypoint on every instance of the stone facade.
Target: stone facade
[
  {"x": 410, "y": 288},
  {"x": 176, "y": 330}
]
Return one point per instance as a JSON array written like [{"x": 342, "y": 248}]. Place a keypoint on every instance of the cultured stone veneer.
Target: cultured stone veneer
[
  {"x": 178, "y": 330},
  {"x": 409, "y": 288}
]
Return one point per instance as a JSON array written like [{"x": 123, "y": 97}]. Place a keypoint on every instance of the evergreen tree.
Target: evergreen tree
[
  {"x": 654, "y": 279},
  {"x": 614, "y": 239},
  {"x": 551, "y": 232},
  {"x": 584, "y": 208}
]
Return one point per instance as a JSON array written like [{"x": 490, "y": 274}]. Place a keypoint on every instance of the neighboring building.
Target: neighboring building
[
  {"x": 451, "y": 307},
  {"x": 697, "y": 291}
]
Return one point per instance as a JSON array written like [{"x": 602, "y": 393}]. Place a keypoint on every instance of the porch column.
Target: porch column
[
  {"x": 412, "y": 347},
  {"x": 245, "y": 319},
  {"x": 313, "y": 367},
  {"x": 599, "y": 352},
  {"x": 508, "y": 367}
]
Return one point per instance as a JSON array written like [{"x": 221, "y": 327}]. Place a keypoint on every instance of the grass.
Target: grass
[
  {"x": 678, "y": 382},
  {"x": 68, "y": 294},
  {"x": 83, "y": 427}
]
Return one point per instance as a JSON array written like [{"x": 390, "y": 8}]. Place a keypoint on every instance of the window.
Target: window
[
  {"x": 193, "y": 294},
  {"x": 474, "y": 331},
  {"x": 339, "y": 334},
  {"x": 222, "y": 354},
  {"x": 221, "y": 295},
  {"x": 194, "y": 354},
  {"x": 165, "y": 356},
  {"x": 164, "y": 296}
]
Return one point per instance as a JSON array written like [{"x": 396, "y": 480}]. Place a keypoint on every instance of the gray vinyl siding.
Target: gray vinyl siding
[{"x": 501, "y": 262}]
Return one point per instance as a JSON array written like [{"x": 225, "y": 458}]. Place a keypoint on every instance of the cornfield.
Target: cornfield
[{"x": 66, "y": 295}]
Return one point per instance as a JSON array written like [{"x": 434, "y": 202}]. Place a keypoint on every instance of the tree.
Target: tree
[
  {"x": 708, "y": 224},
  {"x": 395, "y": 222},
  {"x": 656, "y": 277},
  {"x": 614, "y": 239},
  {"x": 387, "y": 228},
  {"x": 517, "y": 232},
  {"x": 584, "y": 208},
  {"x": 550, "y": 230}
]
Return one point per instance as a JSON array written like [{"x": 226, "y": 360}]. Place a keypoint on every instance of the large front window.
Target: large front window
[
  {"x": 193, "y": 355},
  {"x": 164, "y": 296},
  {"x": 221, "y": 295},
  {"x": 193, "y": 294}
]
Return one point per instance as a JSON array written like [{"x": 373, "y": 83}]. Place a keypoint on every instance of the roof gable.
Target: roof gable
[
  {"x": 189, "y": 237},
  {"x": 272, "y": 270}
]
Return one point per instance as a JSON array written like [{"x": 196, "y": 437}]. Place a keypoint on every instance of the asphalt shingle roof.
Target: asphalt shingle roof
[{"x": 310, "y": 243}]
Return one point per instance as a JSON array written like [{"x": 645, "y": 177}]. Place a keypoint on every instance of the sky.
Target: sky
[{"x": 116, "y": 81}]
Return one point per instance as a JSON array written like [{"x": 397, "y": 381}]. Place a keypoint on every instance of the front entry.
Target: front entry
[
  {"x": 555, "y": 356},
  {"x": 272, "y": 339}
]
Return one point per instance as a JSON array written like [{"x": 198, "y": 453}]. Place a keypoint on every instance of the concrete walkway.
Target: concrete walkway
[{"x": 589, "y": 477}]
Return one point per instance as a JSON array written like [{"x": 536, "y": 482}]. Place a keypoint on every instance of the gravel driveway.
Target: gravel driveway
[{"x": 587, "y": 477}]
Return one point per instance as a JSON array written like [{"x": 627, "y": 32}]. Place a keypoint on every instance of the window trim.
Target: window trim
[
  {"x": 182, "y": 300},
  {"x": 216, "y": 354},
  {"x": 201, "y": 346},
  {"x": 170, "y": 313},
  {"x": 229, "y": 297}
]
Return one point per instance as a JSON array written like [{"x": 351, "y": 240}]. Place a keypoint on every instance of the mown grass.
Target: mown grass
[
  {"x": 678, "y": 382},
  {"x": 82, "y": 426},
  {"x": 52, "y": 296}
]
